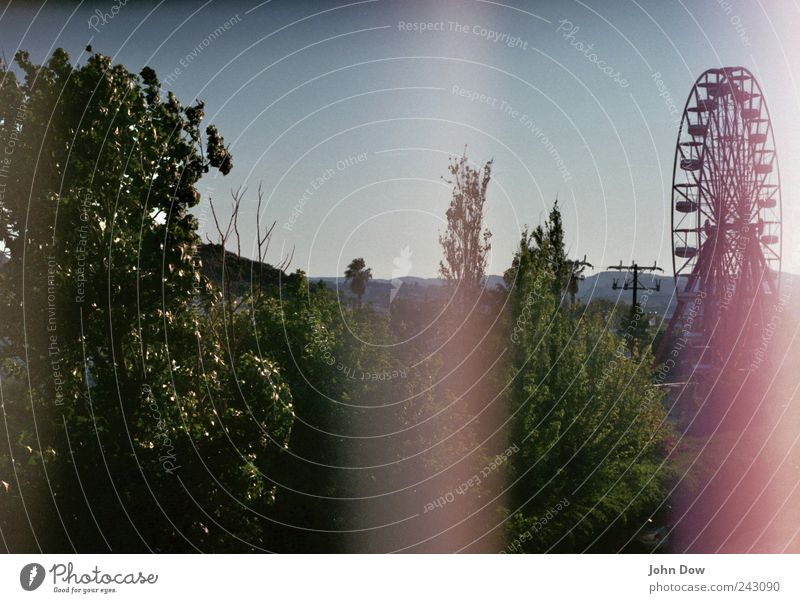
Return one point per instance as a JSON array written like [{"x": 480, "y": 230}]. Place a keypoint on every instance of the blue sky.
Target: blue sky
[{"x": 347, "y": 114}]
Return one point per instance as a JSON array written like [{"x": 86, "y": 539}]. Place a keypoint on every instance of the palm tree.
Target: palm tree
[
  {"x": 358, "y": 275},
  {"x": 575, "y": 269}
]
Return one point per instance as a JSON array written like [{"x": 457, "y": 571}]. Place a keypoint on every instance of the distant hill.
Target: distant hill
[
  {"x": 381, "y": 292},
  {"x": 242, "y": 270},
  {"x": 597, "y": 286}
]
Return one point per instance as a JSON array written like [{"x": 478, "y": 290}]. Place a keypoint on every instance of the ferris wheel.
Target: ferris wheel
[{"x": 726, "y": 218}]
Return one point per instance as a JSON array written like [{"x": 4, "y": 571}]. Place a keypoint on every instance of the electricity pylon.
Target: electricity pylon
[{"x": 634, "y": 284}]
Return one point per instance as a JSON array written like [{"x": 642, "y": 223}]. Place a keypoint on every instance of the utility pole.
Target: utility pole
[{"x": 633, "y": 284}]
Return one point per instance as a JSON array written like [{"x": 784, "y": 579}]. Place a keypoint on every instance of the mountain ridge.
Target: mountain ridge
[{"x": 597, "y": 286}]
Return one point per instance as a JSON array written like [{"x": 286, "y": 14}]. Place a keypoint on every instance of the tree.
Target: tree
[
  {"x": 139, "y": 409},
  {"x": 549, "y": 239},
  {"x": 358, "y": 275},
  {"x": 465, "y": 242},
  {"x": 635, "y": 327},
  {"x": 587, "y": 418}
]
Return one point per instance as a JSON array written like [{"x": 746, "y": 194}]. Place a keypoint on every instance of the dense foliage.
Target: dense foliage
[
  {"x": 125, "y": 386},
  {"x": 586, "y": 416}
]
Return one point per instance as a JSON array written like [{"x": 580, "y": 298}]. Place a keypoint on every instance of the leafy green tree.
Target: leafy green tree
[
  {"x": 635, "y": 327},
  {"x": 588, "y": 421},
  {"x": 141, "y": 412}
]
